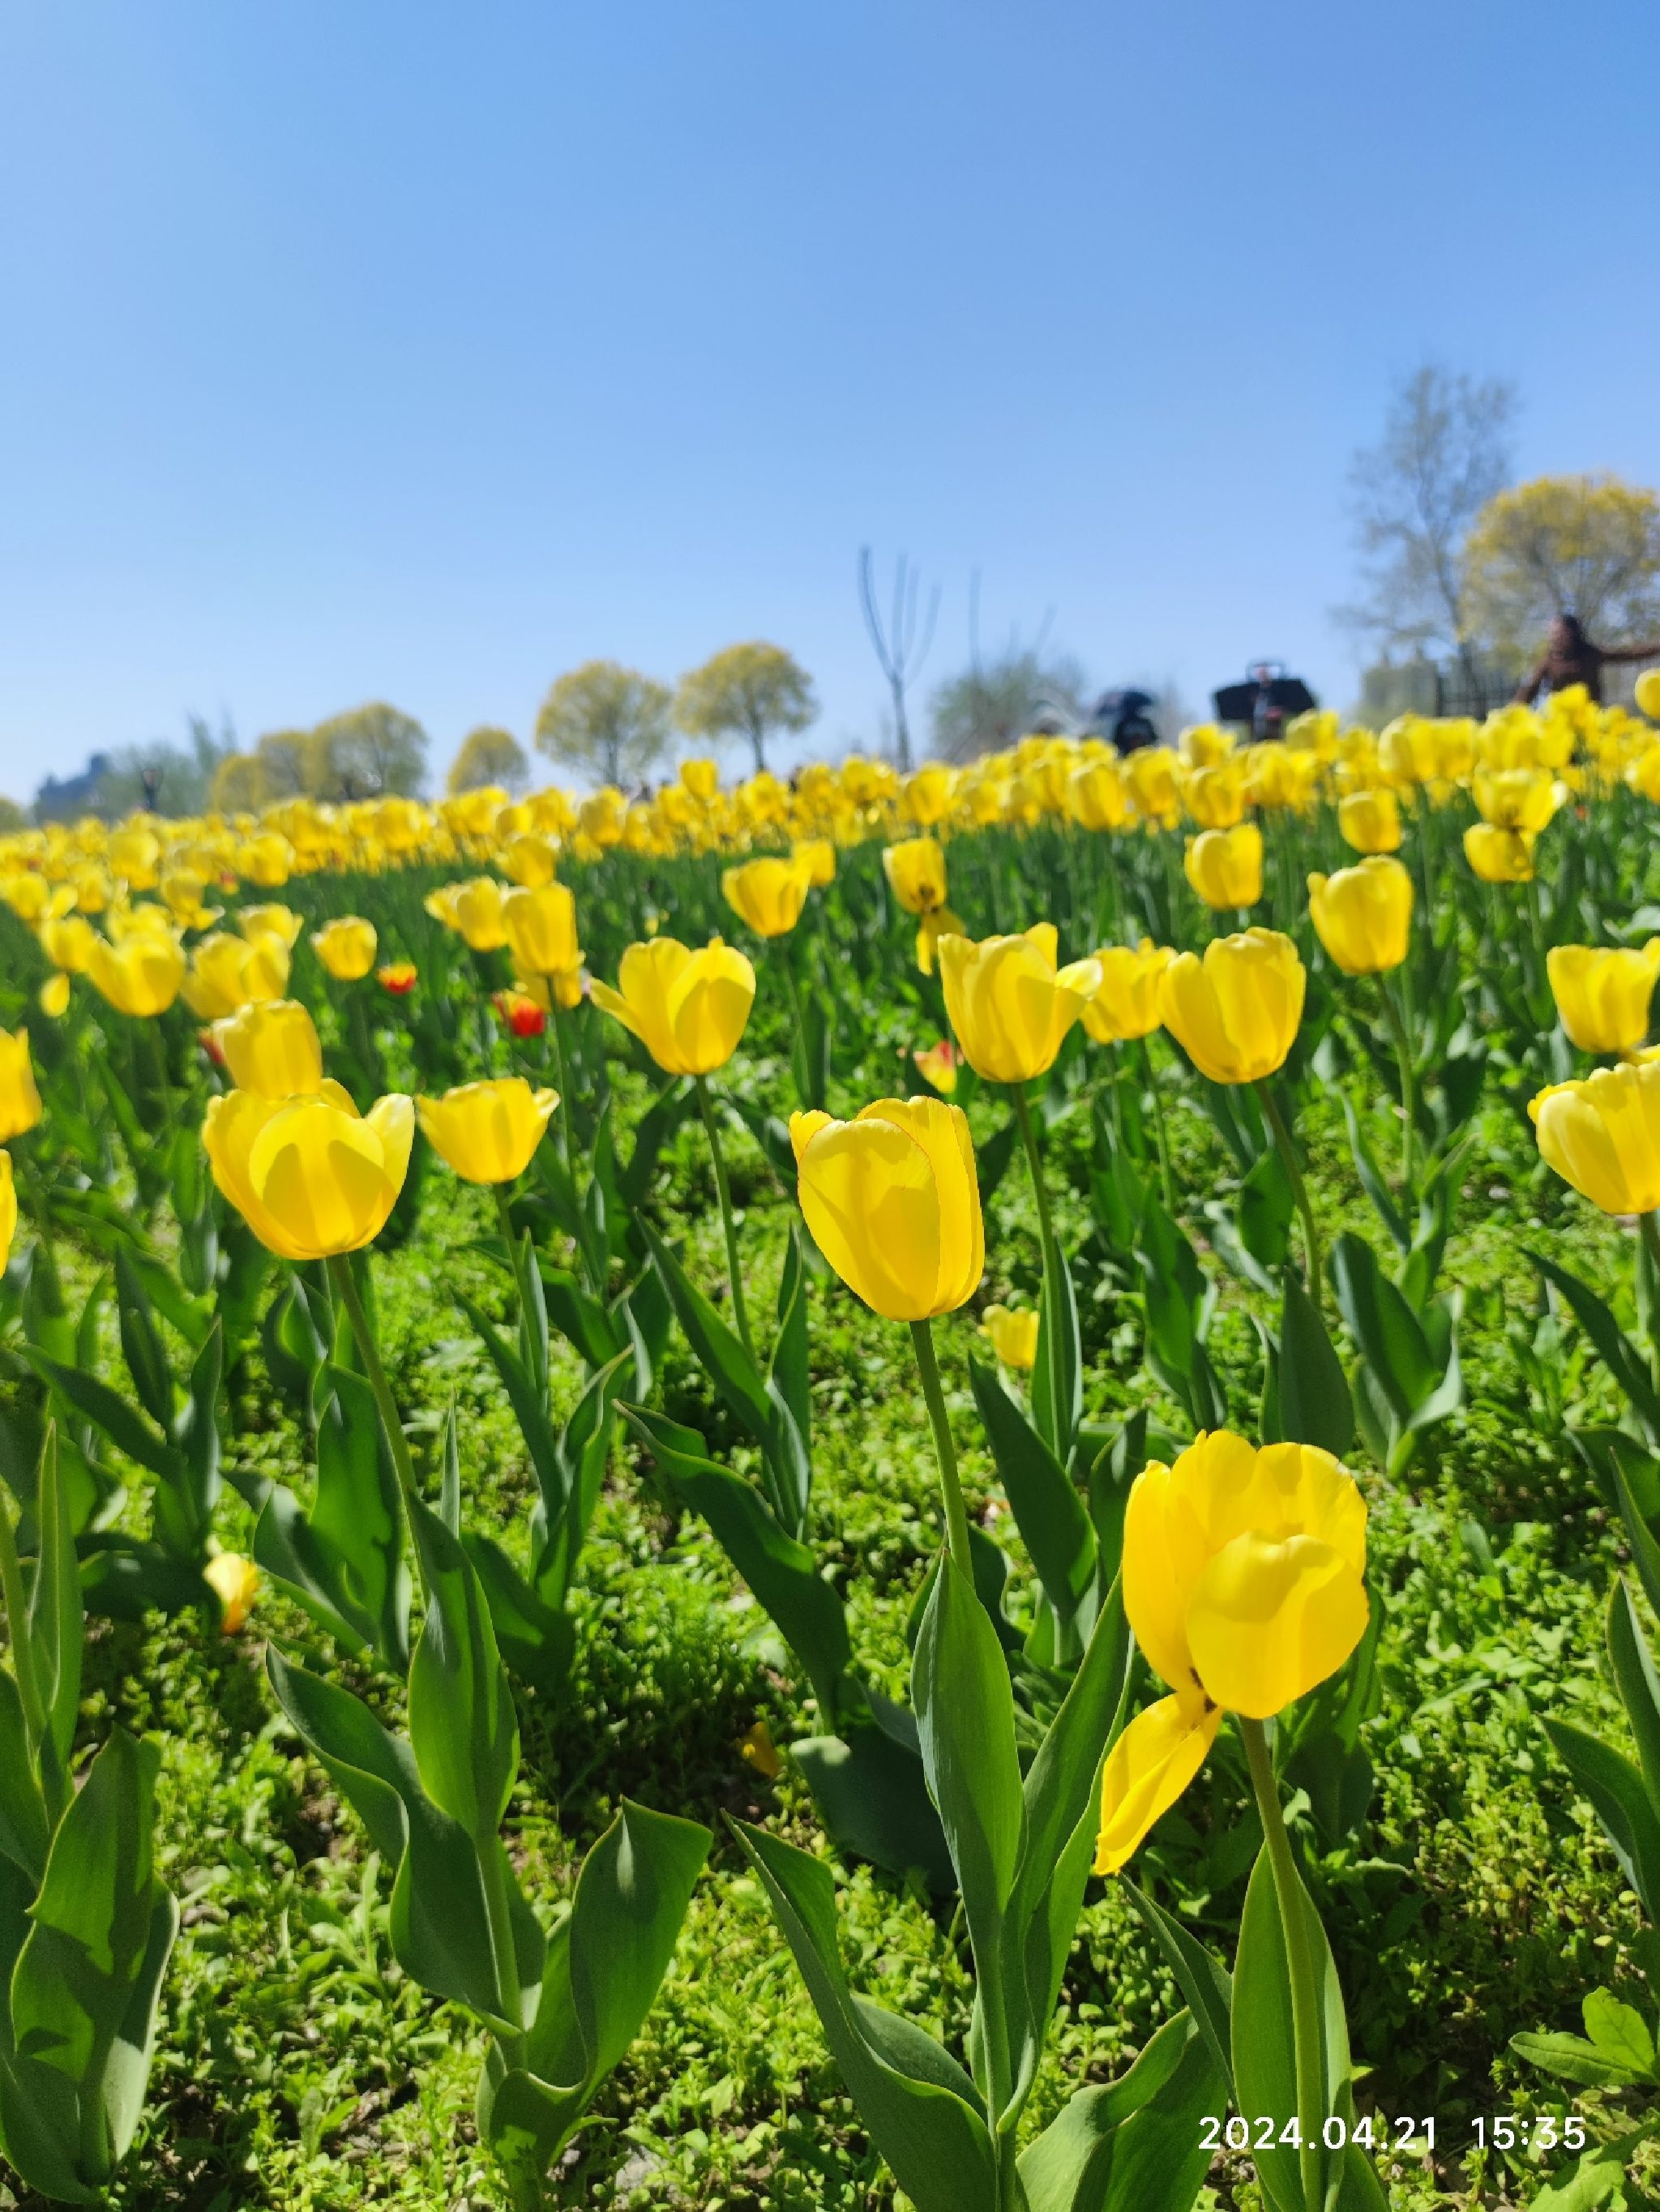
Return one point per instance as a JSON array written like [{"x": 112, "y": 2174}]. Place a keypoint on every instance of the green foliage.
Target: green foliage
[
  {"x": 754, "y": 692},
  {"x": 605, "y": 722}
]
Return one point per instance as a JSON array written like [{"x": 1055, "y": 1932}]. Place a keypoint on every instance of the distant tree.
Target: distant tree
[
  {"x": 371, "y": 752},
  {"x": 12, "y": 817},
  {"x": 895, "y": 642},
  {"x": 488, "y": 756},
  {"x": 284, "y": 759},
  {"x": 162, "y": 778},
  {"x": 1414, "y": 496},
  {"x": 1586, "y": 545},
  {"x": 993, "y": 703},
  {"x": 753, "y": 691},
  {"x": 604, "y": 721},
  {"x": 67, "y": 798},
  {"x": 238, "y": 786}
]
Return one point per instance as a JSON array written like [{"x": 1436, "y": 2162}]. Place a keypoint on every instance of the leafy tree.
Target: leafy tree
[
  {"x": 752, "y": 691},
  {"x": 1586, "y": 545},
  {"x": 12, "y": 816},
  {"x": 991, "y": 704},
  {"x": 603, "y": 720},
  {"x": 1443, "y": 455},
  {"x": 284, "y": 765},
  {"x": 238, "y": 786},
  {"x": 368, "y": 753},
  {"x": 162, "y": 778},
  {"x": 488, "y": 756}
]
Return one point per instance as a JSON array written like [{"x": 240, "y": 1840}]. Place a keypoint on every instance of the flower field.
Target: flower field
[{"x": 935, "y": 1489}]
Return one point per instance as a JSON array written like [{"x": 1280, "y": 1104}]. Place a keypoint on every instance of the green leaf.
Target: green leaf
[
  {"x": 873, "y": 1796},
  {"x": 965, "y": 1719},
  {"x": 530, "y": 1409},
  {"x": 463, "y": 1727},
  {"x": 1631, "y": 1466},
  {"x": 1385, "y": 1330},
  {"x": 126, "y": 1430},
  {"x": 373, "y": 1769},
  {"x": 141, "y": 1344},
  {"x": 783, "y": 1573},
  {"x": 1371, "y": 1180},
  {"x": 1619, "y": 2031},
  {"x": 1315, "y": 1406},
  {"x": 580, "y": 1318},
  {"x": 932, "y": 2136},
  {"x": 789, "y": 1369},
  {"x": 1620, "y": 1798},
  {"x": 344, "y": 1559},
  {"x": 84, "y": 1989},
  {"x": 537, "y": 1640},
  {"x": 1057, "y": 1309},
  {"x": 1571, "y": 2058},
  {"x": 715, "y": 1347},
  {"x": 25, "y": 1831},
  {"x": 1203, "y": 1979},
  {"x": 1618, "y": 1353},
  {"x": 1638, "y": 1684},
  {"x": 1054, "y": 1523},
  {"x": 1264, "y": 2053},
  {"x": 1060, "y": 1792},
  {"x": 1266, "y": 1204},
  {"x": 55, "y": 1624},
  {"x": 1137, "y": 2144}
]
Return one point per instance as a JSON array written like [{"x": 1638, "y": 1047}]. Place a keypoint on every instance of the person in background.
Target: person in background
[{"x": 1571, "y": 658}]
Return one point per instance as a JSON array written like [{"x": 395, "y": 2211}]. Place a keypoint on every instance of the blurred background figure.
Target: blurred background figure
[
  {"x": 1266, "y": 702},
  {"x": 1571, "y": 658}
]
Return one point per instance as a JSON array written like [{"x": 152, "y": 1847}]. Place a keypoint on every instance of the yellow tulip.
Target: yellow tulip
[
  {"x": 893, "y": 1203},
  {"x": 488, "y": 1132},
  {"x": 1151, "y": 776},
  {"x": 530, "y": 861},
  {"x": 235, "y": 1582},
  {"x": 271, "y": 1049},
  {"x": 266, "y": 861},
  {"x": 817, "y": 856},
  {"x": 20, "y": 1100},
  {"x": 135, "y": 855},
  {"x": 229, "y": 972},
  {"x": 1126, "y": 1005},
  {"x": 701, "y": 778},
  {"x": 8, "y": 1208},
  {"x": 1499, "y": 856},
  {"x": 68, "y": 944},
  {"x": 1244, "y": 1582},
  {"x": 540, "y": 927},
  {"x": 1203, "y": 744},
  {"x": 689, "y": 1009},
  {"x": 938, "y": 1066},
  {"x": 475, "y": 909},
  {"x": 140, "y": 976},
  {"x": 1603, "y": 1135},
  {"x": 1602, "y": 997},
  {"x": 1009, "y": 1005},
  {"x": 1364, "y": 914},
  {"x": 927, "y": 795},
  {"x": 1370, "y": 821},
  {"x": 915, "y": 870},
  {"x": 1225, "y": 867},
  {"x": 54, "y": 995},
  {"x": 1648, "y": 693},
  {"x": 1216, "y": 798},
  {"x": 1235, "y": 1013},
  {"x": 1516, "y": 797},
  {"x": 1096, "y": 796},
  {"x": 28, "y": 895},
  {"x": 310, "y": 1176},
  {"x": 1013, "y": 1335},
  {"x": 272, "y": 920},
  {"x": 768, "y": 894},
  {"x": 346, "y": 947}
]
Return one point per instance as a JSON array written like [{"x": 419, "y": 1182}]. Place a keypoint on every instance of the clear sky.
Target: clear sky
[{"x": 418, "y": 351}]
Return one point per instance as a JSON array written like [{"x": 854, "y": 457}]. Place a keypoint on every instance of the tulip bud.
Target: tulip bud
[
  {"x": 689, "y": 1009},
  {"x": 1009, "y": 1004},
  {"x": 488, "y": 1132},
  {"x": 768, "y": 894},
  {"x": 1603, "y": 996},
  {"x": 310, "y": 1176},
  {"x": 8, "y": 1208},
  {"x": 20, "y": 1100},
  {"x": 1364, "y": 914},
  {"x": 1370, "y": 821},
  {"x": 915, "y": 870},
  {"x": 345, "y": 947},
  {"x": 1499, "y": 856},
  {"x": 1235, "y": 1013},
  {"x": 235, "y": 1583},
  {"x": 272, "y": 1049},
  {"x": 1013, "y": 1336},
  {"x": 141, "y": 975},
  {"x": 1225, "y": 867},
  {"x": 938, "y": 1066},
  {"x": 397, "y": 978},
  {"x": 893, "y": 1203},
  {"x": 1603, "y": 1135},
  {"x": 1126, "y": 1005}
]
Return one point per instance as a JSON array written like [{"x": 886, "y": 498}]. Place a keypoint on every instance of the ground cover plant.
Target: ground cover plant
[{"x": 939, "y": 1489}]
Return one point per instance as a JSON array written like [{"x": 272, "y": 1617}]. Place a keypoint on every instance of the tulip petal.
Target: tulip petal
[
  {"x": 1149, "y": 1767},
  {"x": 869, "y": 1195},
  {"x": 1270, "y": 1621}
]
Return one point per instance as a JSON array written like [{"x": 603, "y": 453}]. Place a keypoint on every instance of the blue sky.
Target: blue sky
[{"x": 419, "y": 352}]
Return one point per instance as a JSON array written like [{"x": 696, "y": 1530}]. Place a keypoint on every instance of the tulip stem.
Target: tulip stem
[
  {"x": 803, "y": 1072},
  {"x": 957, "y": 1516},
  {"x": 534, "y": 1352},
  {"x": 558, "y": 1041},
  {"x": 1160, "y": 1132},
  {"x": 1061, "y": 1440},
  {"x": 1296, "y": 1910},
  {"x": 1299, "y": 1191},
  {"x": 723, "y": 1192},
  {"x": 1408, "y": 1079},
  {"x": 345, "y": 1287}
]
